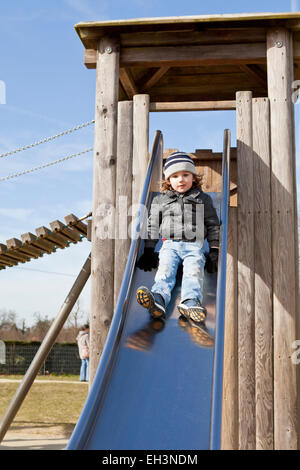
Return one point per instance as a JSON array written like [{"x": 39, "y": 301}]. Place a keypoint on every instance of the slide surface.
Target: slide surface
[
  {"x": 158, "y": 394},
  {"x": 158, "y": 384}
]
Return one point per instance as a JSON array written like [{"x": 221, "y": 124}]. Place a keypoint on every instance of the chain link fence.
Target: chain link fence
[{"x": 16, "y": 357}]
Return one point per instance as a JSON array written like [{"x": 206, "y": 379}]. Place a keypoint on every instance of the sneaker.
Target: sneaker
[
  {"x": 153, "y": 302},
  {"x": 192, "y": 309}
]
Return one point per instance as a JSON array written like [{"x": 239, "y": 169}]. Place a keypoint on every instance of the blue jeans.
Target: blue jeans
[
  {"x": 84, "y": 370},
  {"x": 170, "y": 256}
]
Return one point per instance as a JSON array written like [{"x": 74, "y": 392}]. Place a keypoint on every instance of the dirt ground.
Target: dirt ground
[
  {"x": 31, "y": 429},
  {"x": 43, "y": 437}
]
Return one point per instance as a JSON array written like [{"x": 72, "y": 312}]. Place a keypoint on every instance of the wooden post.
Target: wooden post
[
  {"x": 157, "y": 173},
  {"x": 246, "y": 324},
  {"x": 123, "y": 191},
  {"x": 104, "y": 192},
  {"x": 263, "y": 275},
  {"x": 141, "y": 104},
  {"x": 230, "y": 383},
  {"x": 280, "y": 77}
]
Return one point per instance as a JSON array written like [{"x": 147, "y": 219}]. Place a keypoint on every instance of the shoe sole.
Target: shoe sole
[
  {"x": 146, "y": 300},
  {"x": 197, "y": 314}
]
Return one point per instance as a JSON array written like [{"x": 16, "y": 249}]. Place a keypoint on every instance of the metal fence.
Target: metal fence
[{"x": 16, "y": 357}]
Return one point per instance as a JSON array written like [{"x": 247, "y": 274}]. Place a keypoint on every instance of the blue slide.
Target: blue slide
[{"x": 158, "y": 385}]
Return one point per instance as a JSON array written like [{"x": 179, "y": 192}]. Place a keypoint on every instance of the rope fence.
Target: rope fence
[
  {"x": 47, "y": 139},
  {"x": 31, "y": 170},
  {"x": 42, "y": 141}
]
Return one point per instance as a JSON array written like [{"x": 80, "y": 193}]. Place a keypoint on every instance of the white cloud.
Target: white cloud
[
  {"x": 19, "y": 214},
  {"x": 89, "y": 10},
  {"x": 31, "y": 114},
  {"x": 84, "y": 206}
]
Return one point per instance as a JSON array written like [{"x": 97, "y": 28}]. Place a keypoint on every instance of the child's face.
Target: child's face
[{"x": 181, "y": 181}]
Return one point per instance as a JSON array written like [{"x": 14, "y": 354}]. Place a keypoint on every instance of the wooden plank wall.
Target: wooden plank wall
[
  {"x": 246, "y": 331},
  {"x": 230, "y": 415},
  {"x": 251, "y": 392},
  {"x": 263, "y": 275},
  {"x": 284, "y": 236}
]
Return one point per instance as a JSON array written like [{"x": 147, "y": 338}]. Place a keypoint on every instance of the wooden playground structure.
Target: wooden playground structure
[
  {"x": 247, "y": 63},
  {"x": 244, "y": 62}
]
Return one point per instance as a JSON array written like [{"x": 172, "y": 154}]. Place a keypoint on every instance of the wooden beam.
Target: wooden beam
[
  {"x": 194, "y": 55},
  {"x": 140, "y": 145},
  {"x": 46, "y": 241},
  {"x": 296, "y": 50},
  {"x": 254, "y": 72},
  {"x": 246, "y": 319},
  {"x": 230, "y": 412},
  {"x": 7, "y": 261},
  {"x": 104, "y": 194},
  {"x": 263, "y": 276},
  {"x": 205, "y": 36},
  {"x": 68, "y": 233},
  {"x": 284, "y": 237},
  {"x": 157, "y": 75},
  {"x": 253, "y": 53},
  {"x": 76, "y": 224},
  {"x": 56, "y": 238},
  {"x": 192, "y": 106},
  {"x": 19, "y": 258},
  {"x": 15, "y": 244},
  {"x": 123, "y": 191},
  {"x": 128, "y": 84},
  {"x": 44, "y": 245}
]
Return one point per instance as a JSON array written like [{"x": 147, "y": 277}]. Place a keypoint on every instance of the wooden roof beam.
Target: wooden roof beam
[
  {"x": 157, "y": 75},
  {"x": 206, "y": 35},
  {"x": 194, "y": 55},
  {"x": 254, "y": 71},
  {"x": 128, "y": 83},
  {"x": 252, "y": 53},
  {"x": 192, "y": 106},
  {"x": 239, "y": 54}
]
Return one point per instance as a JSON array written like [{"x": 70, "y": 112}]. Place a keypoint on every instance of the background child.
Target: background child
[
  {"x": 183, "y": 215},
  {"x": 83, "y": 341}
]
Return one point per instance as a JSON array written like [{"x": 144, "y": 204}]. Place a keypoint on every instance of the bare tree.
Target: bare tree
[{"x": 76, "y": 317}]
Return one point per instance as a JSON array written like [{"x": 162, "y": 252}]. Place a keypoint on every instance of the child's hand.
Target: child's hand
[
  {"x": 211, "y": 265},
  {"x": 148, "y": 260}
]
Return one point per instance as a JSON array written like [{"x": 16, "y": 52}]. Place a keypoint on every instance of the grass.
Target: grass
[{"x": 50, "y": 409}]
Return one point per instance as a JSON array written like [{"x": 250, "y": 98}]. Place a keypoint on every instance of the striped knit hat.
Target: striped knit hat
[{"x": 179, "y": 161}]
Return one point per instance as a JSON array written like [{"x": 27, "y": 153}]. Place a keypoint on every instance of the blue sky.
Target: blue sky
[{"x": 48, "y": 90}]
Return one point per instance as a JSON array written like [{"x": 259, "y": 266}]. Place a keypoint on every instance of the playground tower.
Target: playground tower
[{"x": 246, "y": 62}]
